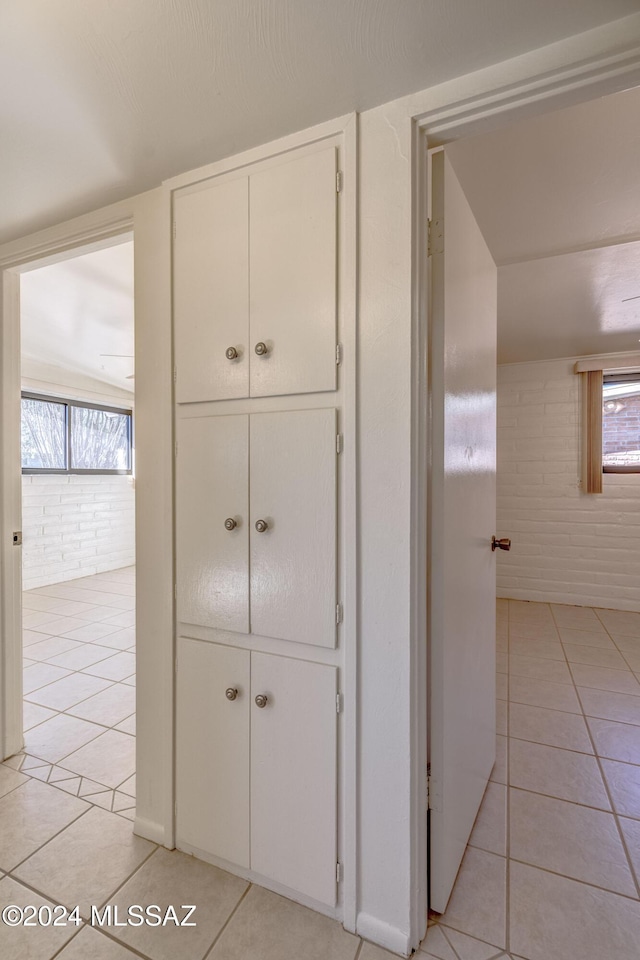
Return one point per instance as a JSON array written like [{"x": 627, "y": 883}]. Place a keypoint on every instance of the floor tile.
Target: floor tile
[
  {"x": 84, "y": 655},
  {"x": 40, "y": 675},
  {"x": 32, "y": 715},
  {"x": 29, "y": 943},
  {"x": 435, "y": 944},
  {"x": 108, "y": 707},
  {"x": 126, "y": 618},
  {"x": 566, "y": 615},
  {"x": 490, "y": 829},
  {"x": 539, "y": 668},
  {"x": 468, "y": 948},
  {"x": 32, "y": 815},
  {"x": 499, "y": 772},
  {"x": 272, "y": 928},
  {"x": 621, "y": 621},
  {"x": 541, "y": 649},
  {"x": 477, "y": 904},
  {"x": 169, "y": 877},
  {"x": 91, "y": 632},
  {"x": 56, "y": 738},
  {"x": 65, "y": 868},
  {"x": 631, "y": 833},
  {"x": 569, "y": 839},
  {"x": 616, "y": 741},
  {"x": 50, "y": 647},
  {"x": 32, "y": 636},
  {"x": 544, "y": 693},
  {"x": 371, "y": 952},
  {"x": 587, "y": 638},
  {"x": 610, "y": 706},
  {"x": 34, "y": 601},
  {"x": 596, "y": 656},
  {"x": 32, "y": 620},
  {"x": 120, "y": 666},
  {"x": 501, "y": 717},
  {"x": 90, "y": 944},
  {"x": 553, "y": 727},
  {"x": 57, "y": 626},
  {"x": 109, "y": 759},
  {"x": 129, "y": 786},
  {"x": 623, "y": 780},
  {"x": 632, "y": 659},
  {"x": 10, "y": 779},
  {"x": 557, "y": 773},
  {"x": 128, "y": 725},
  {"x": 626, "y": 644},
  {"x": 502, "y": 686},
  {"x": 532, "y": 631},
  {"x": 122, "y": 639},
  {"x": 67, "y": 692},
  {"x": 602, "y": 678},
  {"x": 95, "y": 613},
  {"x": 555, "y": 918}
]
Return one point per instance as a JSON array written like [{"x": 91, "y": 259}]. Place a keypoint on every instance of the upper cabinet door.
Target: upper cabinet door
[
  {"x": 293, "y": 250},
  {"x": 293, "y": 526},
  {"x": 212, "y": 540},
  {"x": 211, "y": 292}
]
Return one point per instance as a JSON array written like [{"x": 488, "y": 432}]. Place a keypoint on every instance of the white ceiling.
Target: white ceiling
[
  {"x": 558, "y": 201},
  {"x": 104, "y": 100},
  {"x": 76, "y": 310}
]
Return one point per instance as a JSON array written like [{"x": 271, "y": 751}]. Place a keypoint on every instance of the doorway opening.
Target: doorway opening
[{"x": 78, "y": 531}]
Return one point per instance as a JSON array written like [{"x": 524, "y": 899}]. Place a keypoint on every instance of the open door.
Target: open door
[{"x": 462, "y": 511}]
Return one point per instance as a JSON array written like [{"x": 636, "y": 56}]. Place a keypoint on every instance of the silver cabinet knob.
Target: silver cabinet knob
[
  {"x": 231, "y": 353},
  {"x": 504, "y": 544},
  {"x": 231, "y": 693},
  {"x": 261, "y": 526},
  {"x": 261, "y": 349},
  {"x": 230, "y": 523},
  {"x": 261, "y": 700}
]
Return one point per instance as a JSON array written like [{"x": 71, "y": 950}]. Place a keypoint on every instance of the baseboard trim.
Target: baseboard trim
[
  {"x": 150, "y": 830},
  {"x": 572, "y": 599},
  {"x": 383, "y": 934}
]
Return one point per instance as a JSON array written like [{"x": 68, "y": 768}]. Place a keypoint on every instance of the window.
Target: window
[
  {"x": 64, "y": 436},
  {"x": 621, "y": 423}
]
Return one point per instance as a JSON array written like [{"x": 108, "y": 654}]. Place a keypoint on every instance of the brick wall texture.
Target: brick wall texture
[
  {"x": 75, "y": 526},
  {"x": 568, "y": 547}
]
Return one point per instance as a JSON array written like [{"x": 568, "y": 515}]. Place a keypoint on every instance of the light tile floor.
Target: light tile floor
[
  {"x": 552, "y": 867},
  {"x": 550, "y": 872}
]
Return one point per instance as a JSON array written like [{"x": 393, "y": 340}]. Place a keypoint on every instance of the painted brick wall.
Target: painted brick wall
[
  {"x": 568, "y": 547},
  {"x": 75, "y": 526},
  {"x": 621, "y": 427}
]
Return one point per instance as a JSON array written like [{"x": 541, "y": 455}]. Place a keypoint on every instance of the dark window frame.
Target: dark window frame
[
  {"x": 633, "y": 377},
  {"x": 68, "y": 417}
]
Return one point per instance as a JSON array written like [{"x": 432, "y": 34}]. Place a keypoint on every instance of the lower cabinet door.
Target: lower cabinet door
[
  {"x": 294, "y": 774},
  {"x": 212, "y": 749}
]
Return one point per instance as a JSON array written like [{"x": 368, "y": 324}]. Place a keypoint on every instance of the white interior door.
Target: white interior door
[
  {"x": 462, "y": 522},
  {"x": 212, "y": 495}
]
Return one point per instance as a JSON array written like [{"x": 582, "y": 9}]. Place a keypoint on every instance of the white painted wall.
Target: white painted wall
[
  {"x": 567, "y": 546},
  {"x": 75, "y": 526}
]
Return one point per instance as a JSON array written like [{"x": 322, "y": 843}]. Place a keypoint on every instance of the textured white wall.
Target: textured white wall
[
  {"x": 75, "y": 526},
  {"x": 568, "y": 547}
]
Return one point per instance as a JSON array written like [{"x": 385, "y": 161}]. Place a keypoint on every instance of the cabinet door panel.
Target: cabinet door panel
[
  {"x": 293, "y": 247},
  {"x": 212, "y": 750},
  {"x": 211, "y": 291},
  {"x": 293, "y": 774},
  {"x": 211, "y": 487},
  {"x": 293, "y": 489}
]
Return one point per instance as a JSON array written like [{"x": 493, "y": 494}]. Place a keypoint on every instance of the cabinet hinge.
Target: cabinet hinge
[
  {"x": 339, "y": 442},
  {"x": 339, "y": 613},
  {"x": 174, "y": 230},
  {"x": 339, "y": 181},
  {"x": 435, "y": 237},
  {"x": 338, "y": 872},
  {"x": 338, "y": 354},
  {"x": 338, "y": 703}
]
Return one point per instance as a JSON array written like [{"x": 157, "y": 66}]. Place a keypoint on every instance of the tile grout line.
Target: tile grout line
[{"x": 209, "y": 954}]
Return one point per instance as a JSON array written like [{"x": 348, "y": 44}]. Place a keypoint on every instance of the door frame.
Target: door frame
[
  {"x": 575, "y": 80},
  {"x": 30, "y": 254}
]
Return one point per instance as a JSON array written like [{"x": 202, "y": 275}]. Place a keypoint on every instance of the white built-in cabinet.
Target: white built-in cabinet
[
  {"x": 256, "y": 312},
  {"x": 255, "y": 282},
  {"x": 248, "y": 718},
  {"x": 256, "y": 538}
]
